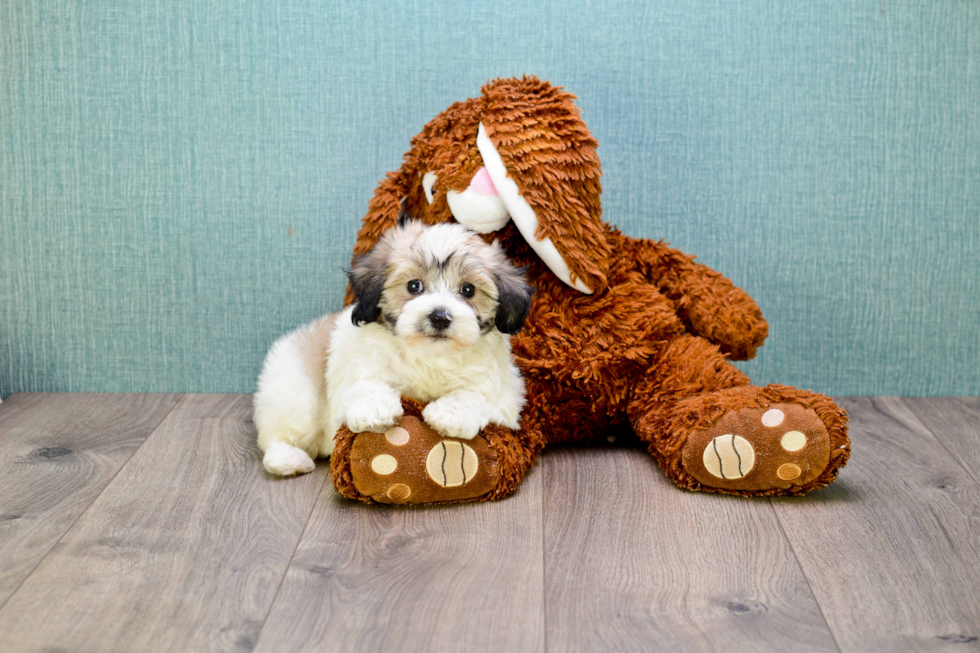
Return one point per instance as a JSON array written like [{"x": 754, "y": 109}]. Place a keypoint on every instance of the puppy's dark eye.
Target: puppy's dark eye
[
  {"x": 415, "y": 286},
  {"x": 467, "y": 290}
]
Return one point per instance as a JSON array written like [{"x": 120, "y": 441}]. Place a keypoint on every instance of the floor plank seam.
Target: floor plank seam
[
  {"x": 92, "y": 503},
  {"x": 799, "y": 566},
  {"x": 272, "y": 603},
  {"x": 959, "y": 463}
]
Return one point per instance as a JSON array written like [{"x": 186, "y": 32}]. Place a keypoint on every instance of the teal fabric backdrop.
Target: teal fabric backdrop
[{"x": 181, "y": 182}]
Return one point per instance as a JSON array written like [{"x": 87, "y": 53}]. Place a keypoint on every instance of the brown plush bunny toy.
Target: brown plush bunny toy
[{"x": 621, "y": 331}]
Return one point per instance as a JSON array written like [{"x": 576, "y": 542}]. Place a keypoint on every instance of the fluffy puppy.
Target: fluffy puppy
[{"x": 435, "y": 309}]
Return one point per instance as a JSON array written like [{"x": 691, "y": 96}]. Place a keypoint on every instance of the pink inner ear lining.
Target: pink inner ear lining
[{"x": 481, "y": 184}]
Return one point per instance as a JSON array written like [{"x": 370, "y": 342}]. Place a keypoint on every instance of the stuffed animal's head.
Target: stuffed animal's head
[{"x": 519, "y": 153}]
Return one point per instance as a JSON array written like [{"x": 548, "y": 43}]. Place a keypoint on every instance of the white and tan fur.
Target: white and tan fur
[{"x": 354, "y": 367}]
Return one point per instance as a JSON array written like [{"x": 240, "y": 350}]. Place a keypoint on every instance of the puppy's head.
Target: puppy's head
[{"x": 439, "y": 286}]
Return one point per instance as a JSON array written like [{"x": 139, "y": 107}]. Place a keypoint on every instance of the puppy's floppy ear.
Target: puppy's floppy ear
[
  {"x": 542, "y": 160},
  {"x": 513, "y": 299},
  {"x": 367, "y": 282},
  {"x": 403, "y": 216},
  {"x": 385, "y": 210}
]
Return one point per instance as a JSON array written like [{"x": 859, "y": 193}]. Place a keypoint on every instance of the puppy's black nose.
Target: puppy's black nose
[{"x": 440, "y": 319}]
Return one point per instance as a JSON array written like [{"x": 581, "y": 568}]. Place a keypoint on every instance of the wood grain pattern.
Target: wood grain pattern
[
  {"x": 57, "y": 453},
  {"x": 183, "y": 551},
  {"x": 387, "y": 578},
  {"x": 891, "y": 549},
  {"x": 192, "y": 547},
  {"x": 635, "y": 564},
  {"x": 955, "y": 422}
]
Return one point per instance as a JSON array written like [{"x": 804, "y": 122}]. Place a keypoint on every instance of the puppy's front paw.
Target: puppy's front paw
[
  {"x": 453, "y": 418},
  {"x": 376, "y": 413}
]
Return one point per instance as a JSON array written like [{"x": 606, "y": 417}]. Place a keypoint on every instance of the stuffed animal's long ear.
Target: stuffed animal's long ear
[
  {"x": 542, "y": 160},
  {"x": 384, "y": 210}
]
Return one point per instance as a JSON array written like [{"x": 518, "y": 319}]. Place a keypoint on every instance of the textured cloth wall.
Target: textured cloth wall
[{"x": 181, "y": 182}]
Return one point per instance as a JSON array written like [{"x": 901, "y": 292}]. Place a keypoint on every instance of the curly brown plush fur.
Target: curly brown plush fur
[{"x": 648, "y": 348}]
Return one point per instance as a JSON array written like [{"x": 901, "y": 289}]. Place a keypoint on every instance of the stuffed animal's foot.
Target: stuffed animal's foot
[
  {"x": 779, "y": 447},
  {"x": 411, "y": 463}
]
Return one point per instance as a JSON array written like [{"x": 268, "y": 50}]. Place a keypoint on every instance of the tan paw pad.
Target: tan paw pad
[
  {"x": 777, "y": 446},
  {"x": 729, "y": 456},
  {"x": 451, "y": 463},
  {"x": 411, "y": 463}
]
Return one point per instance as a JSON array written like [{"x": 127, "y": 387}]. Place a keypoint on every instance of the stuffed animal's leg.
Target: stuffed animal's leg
[
  {"x": 412, "y": 463},
  {"x": 711, "y": 430}
]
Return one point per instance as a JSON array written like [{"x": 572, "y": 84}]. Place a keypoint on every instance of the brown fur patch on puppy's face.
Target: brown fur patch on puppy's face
[{"x": 441, "y": 283}]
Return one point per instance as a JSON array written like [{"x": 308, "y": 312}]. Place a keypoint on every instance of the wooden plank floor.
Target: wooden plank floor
[{"x": 146, "y": 523}]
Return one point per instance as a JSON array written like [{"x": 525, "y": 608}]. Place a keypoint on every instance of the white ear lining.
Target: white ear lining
[
  {"x": 521, "y": 212},
  {"x": 428, "y": 181}
]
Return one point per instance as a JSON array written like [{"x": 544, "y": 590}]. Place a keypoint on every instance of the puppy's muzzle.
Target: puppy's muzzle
[{"x": 440, "y": 319}]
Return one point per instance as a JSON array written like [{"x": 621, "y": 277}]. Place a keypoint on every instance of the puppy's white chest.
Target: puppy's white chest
[{"x": 428, "y": 378}]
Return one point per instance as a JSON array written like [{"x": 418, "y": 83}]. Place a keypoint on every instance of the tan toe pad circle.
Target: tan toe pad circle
[
  {"x": 384, "y": 464},
  {"x": 773, "y": 417},
  {"x": 788, "y": 471},
  {"x": 397, "y": 436},
  {"x": 399, "y": 492},
  {"x": 792, "y": 441}
]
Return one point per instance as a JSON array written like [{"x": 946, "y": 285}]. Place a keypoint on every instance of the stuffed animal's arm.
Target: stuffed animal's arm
[{"x": 709, "y": 304}]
